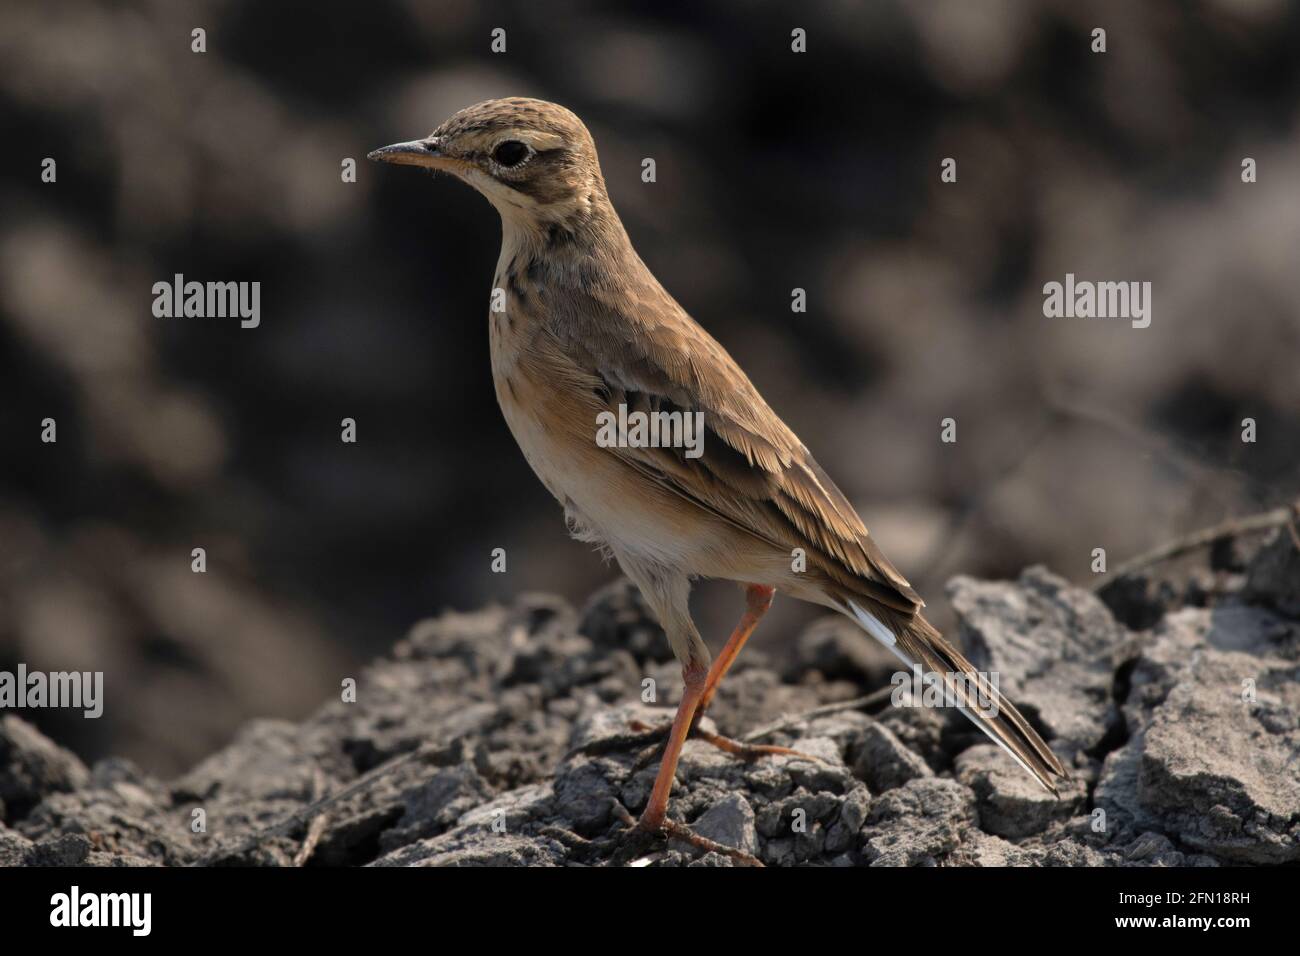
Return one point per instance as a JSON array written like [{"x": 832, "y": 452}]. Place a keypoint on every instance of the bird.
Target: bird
[{"x": 580, "y": 329}]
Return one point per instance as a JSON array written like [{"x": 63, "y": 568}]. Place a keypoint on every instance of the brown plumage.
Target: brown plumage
[{"x": 586, "y": 329}]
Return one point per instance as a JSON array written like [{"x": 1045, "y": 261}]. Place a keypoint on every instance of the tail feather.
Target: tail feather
[{"x": 915, "y": 642}]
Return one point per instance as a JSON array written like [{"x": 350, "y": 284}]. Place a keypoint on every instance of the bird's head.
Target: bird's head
[{"x": 533, "y": 160}]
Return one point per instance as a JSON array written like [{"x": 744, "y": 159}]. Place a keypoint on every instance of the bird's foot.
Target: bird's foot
[
  {"x": 658, "y": 736},
  {"x": 641, "y": 836}
]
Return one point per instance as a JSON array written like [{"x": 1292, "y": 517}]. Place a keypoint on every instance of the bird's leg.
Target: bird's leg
[
  {"x": 700, "y": 683},
  {"x": 656, "y": 809},
  {"x": 654, "y": 818},
  {"x": 758, "y": 598}
]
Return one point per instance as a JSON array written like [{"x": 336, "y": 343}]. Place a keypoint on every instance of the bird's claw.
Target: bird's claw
[{"x": 639, "y": 839}]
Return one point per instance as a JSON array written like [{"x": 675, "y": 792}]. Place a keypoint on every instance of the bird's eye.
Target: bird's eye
[{"x": 510, "y": 153}]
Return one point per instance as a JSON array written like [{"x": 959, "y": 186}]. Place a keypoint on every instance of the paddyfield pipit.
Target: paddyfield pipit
[{"x": 583, "y": 334}]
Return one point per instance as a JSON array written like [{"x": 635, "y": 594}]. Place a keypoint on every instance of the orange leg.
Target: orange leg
[
  {"x": 656, "y": 809},
  {"x": 758, "y": 598},
  {"x": 700, "y": 688}
]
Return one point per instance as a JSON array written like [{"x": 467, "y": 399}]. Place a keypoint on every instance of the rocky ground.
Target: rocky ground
[{"x": 499, "y": 738}]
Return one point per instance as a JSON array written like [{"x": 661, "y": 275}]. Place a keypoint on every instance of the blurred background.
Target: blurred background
[{"x": 775, "y": 170}]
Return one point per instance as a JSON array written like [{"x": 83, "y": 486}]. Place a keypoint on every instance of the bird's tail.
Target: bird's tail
[{"x": 915, "y": 641}]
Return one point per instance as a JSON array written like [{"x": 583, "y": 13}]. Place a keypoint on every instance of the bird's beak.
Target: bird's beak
[{"x": 418, "y": 152}]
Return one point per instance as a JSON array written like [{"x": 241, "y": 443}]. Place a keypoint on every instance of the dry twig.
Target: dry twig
[
  {"x": 1252, "y": 524},
  {"x": 316, "y": 829},
  {"x": 874, "y": 699}
]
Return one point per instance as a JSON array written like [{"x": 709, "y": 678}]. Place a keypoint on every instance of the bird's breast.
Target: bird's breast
[
  {"x": 540, "y": 410},
  {"x": 550, "y": 407}
]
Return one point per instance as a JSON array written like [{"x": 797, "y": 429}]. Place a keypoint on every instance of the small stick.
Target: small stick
[
  {"x": 873, "y": 699},
  {"x": 1235, "y": 527},
  {"x": 317, "y": 827}
]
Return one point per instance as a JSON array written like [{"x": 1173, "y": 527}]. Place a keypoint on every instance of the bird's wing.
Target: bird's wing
[{"x": 754, "y": 472}]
